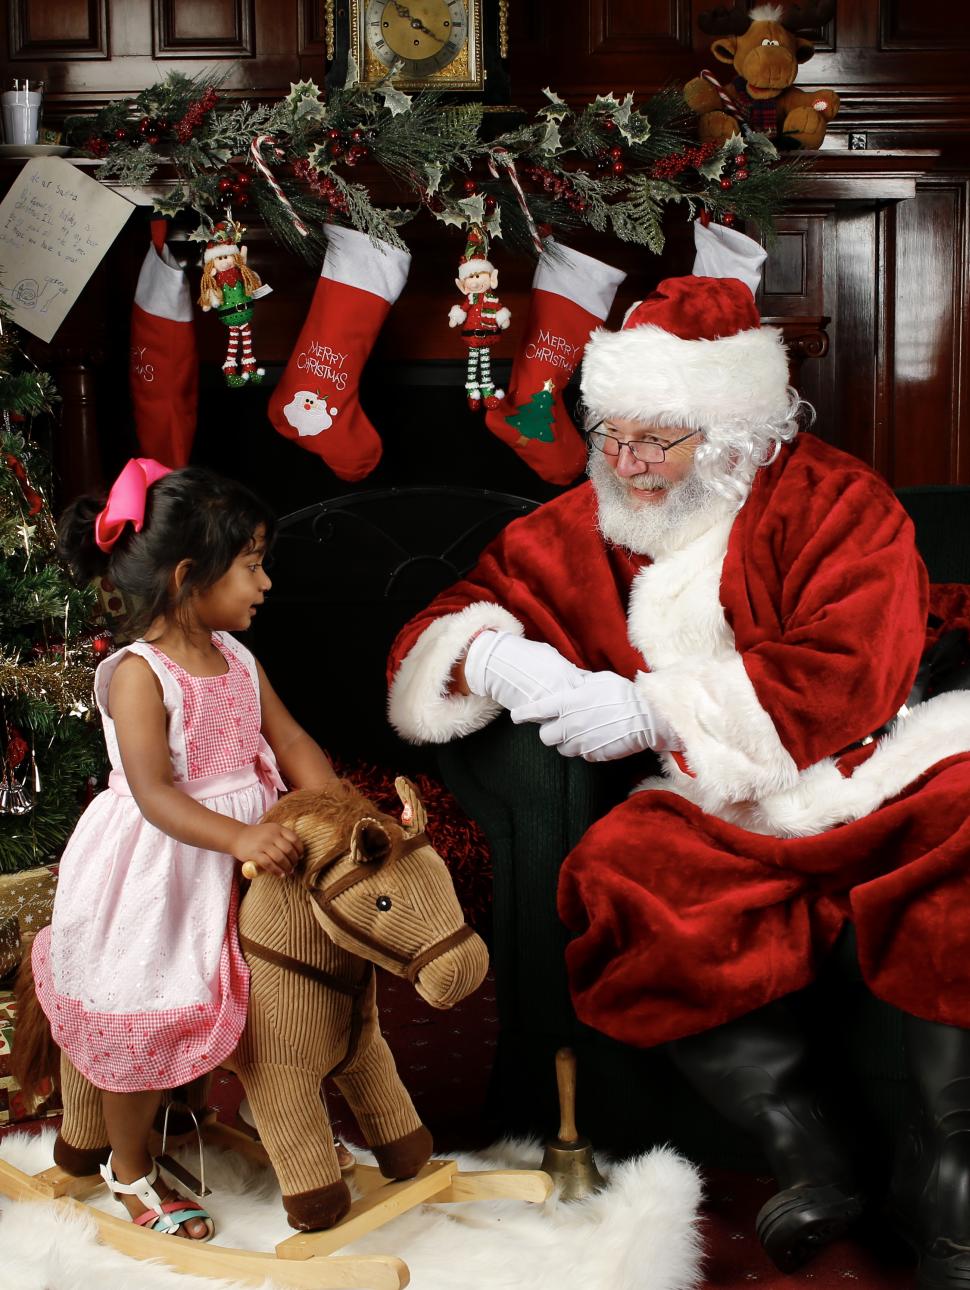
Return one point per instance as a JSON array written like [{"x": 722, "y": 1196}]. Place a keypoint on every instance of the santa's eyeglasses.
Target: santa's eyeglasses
[{"x": 650, "y": 451}]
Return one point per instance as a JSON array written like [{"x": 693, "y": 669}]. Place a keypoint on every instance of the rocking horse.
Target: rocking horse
[{"x": 369, "y": 890}]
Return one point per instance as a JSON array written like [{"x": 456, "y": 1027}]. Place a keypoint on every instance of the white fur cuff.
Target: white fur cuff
[
  {"x": 730, "y": 742},
  {"x": 419, "y": 706}
]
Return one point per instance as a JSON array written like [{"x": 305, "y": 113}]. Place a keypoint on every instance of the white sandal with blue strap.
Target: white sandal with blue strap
[{"x": 163, "y": 1216}]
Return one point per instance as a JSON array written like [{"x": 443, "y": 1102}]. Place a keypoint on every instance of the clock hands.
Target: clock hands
[{"x": 404, "y": 12}]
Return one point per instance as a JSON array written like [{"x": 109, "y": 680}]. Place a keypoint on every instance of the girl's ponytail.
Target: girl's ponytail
[{"x": 75, "y": 539}]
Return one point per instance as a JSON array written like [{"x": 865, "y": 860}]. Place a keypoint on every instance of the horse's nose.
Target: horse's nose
[{"x": 453, "y": 975}]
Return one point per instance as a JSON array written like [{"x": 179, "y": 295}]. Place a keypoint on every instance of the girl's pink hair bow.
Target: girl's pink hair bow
[{"x": 126, "y": 501}]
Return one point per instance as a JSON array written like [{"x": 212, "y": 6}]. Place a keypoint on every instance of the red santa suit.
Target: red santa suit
[{"x": 771, "y": 641}]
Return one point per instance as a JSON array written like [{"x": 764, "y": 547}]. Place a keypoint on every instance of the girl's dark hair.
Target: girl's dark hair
[{"x": 190, "y": 514}]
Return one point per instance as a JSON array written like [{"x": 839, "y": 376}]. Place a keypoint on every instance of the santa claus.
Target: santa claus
[{"x": 748, "y": 602}]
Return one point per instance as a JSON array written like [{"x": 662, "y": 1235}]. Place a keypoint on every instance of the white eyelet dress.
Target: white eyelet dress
[{"x": 140, "y": 973}]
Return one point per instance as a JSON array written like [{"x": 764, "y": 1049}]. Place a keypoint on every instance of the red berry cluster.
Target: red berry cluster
[
  {"x": 193, "y": 118},
  {"x": 97, "y": 145},
  {"x": 668, "y": 167},
  {"x": 471, "y": 188},
  {"x": 322, "y": 185},
  {"x": 234, "y": 186},
  {"x": 559, "y": 186},
  {"x": 348, "y": 146}
]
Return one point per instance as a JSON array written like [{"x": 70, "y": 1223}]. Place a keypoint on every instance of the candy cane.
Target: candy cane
[
  {"x": 726, "y": 102},
  {"x": 268, "y": 175},
  {"x": 501, "y": 155}
]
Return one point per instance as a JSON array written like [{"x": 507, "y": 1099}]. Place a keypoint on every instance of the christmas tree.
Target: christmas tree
[
  {"x": 534, "y": 419},
  {"x": 51, "y": 751}
]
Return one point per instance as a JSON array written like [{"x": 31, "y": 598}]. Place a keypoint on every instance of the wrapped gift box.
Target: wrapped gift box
[
  {"x": 28, "y": 898},
  {"x": 9, "y": 945},
  {"x": 14, "y": 1107}
]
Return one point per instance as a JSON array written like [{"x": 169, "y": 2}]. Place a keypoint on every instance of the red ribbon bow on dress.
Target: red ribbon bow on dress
[{"x": 126, "y": 501}]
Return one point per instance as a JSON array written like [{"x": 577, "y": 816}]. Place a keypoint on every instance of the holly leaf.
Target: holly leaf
[
  {"x": 433, "y": 174},
  {"x": 759, "y": 142},
  {"x": 551, "y": 139},
  {"x": 396, "y": 101},
  {"x": 169, "y": 206},
  {"x": 309, "y": 110},
  {"x": 450, "y": 215},
  {"x": 493, "y": 223},
  {"x": 301, "y": 92},
  {"x": 557, "y": 108},
  {"x": 474, "y": 208},
  {"x": 713, "y": 168}
]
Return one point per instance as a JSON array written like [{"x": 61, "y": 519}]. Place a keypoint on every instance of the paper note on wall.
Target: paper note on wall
[{"x": 56, "y": 223}]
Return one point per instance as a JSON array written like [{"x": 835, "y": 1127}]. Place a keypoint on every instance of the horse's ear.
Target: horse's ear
[
  {"x": 413, "y": 816},
  {"x": 369, "y": 841}
]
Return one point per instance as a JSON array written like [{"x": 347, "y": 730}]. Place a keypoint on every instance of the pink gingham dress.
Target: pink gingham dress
[{"x": 140, "y": 972}]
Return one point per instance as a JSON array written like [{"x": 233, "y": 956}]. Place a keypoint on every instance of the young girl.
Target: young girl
[{"x": 140, "y": 973}]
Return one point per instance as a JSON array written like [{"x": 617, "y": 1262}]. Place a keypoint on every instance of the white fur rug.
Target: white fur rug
[{"x": 639, "y": 1234}]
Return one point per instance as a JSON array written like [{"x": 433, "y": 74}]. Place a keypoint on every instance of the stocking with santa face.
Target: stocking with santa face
[
  {"x": 571, "y": 294},
  {"x": 316, "y": 401}
]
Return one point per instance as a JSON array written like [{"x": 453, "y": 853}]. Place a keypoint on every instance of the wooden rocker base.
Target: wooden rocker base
[{"x": 304, "y": 1259}]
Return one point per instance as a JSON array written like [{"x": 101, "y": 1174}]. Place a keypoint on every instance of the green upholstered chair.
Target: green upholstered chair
[{"x": 533, "y": 806}]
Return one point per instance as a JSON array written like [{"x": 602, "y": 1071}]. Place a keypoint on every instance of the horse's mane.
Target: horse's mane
[{"x": 341, "y": 806}]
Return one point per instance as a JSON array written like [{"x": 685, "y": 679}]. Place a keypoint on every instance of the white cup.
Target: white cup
[{"x": 20, "y": 108}]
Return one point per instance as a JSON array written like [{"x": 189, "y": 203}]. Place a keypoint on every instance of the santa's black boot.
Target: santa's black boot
[
  {"x": 754, "y": 1071},
  {"x": 931, "y": 1181}
]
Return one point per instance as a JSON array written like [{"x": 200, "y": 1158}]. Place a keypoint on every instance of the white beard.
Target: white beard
[{"x": 653, "y": 528}]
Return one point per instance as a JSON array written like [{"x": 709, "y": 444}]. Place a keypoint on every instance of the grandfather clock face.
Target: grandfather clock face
[{"x": 426, "y": 36}]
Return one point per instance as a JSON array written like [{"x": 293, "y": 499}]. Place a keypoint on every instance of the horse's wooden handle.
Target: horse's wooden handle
[
  {"x": 249, "y": 870},
  {"x": 566, "y": 1080}
]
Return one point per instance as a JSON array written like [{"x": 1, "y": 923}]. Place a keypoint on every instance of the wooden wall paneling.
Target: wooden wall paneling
[
  {"x": 913, "y": 24},
  {"x": 930, "y": 305},
  {"x": 857, "y": 420},
  {"x": 56, "y": 29},
  {"x": 204, "y": 29}
]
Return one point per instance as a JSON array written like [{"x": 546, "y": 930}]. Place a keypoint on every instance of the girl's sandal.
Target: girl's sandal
[{"x": 163, "y": 1216}]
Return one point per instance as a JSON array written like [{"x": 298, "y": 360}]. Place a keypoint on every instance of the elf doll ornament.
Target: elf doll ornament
[
  {"x": 230, "y": 287},
  {"x": 482, "y": 319}
]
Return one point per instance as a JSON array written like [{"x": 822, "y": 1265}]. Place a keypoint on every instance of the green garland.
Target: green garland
[{"x": 610, "y": 166}]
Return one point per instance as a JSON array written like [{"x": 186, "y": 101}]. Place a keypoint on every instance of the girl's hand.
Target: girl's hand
[{"x": 267, "y": 848}]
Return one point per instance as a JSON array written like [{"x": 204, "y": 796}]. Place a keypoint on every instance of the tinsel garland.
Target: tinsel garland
[
  {"x": 611, "y": 165},
  {"x": 457, "y": 839}
]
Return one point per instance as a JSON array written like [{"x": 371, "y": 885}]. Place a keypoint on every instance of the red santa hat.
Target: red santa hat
[
  {"x": 475, "y": 259},
  {"x": 224, "y": 240},
  {"x": 694, "y": 352}
]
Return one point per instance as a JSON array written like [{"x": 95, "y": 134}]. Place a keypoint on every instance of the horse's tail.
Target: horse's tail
[{"x": 34, "y": 1055}]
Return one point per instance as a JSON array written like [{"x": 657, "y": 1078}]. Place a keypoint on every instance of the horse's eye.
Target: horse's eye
[{"x": 383, "y": 903}]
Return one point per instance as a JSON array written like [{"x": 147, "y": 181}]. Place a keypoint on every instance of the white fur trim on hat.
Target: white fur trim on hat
[
  {"x": 468, "y": 267},
  {"x": 641, "y": 373},
  {"x": 220, "y": 248}
]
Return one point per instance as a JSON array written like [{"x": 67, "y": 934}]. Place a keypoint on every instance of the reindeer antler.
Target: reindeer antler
[
  {"x": 809, "y": 16},
  {"x": 725, "y": 22}
]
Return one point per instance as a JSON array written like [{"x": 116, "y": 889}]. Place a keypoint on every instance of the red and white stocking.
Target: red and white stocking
[
  {"x": 163, "y": 367},
  {"x": 571, "y": 294},
  {"x": 316, "y": 402}
]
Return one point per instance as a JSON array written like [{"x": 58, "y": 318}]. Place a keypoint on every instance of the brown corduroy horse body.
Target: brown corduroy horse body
[{"x": 368, "y": 890}]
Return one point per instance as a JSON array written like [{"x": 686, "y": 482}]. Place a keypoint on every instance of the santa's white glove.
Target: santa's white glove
[
  {"x": 514, "y": 671},
  {"x": 604, "y": 718}
]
